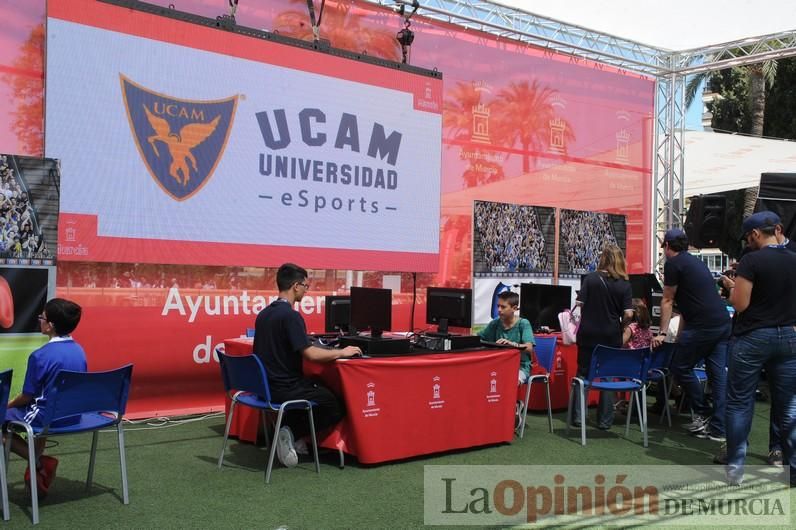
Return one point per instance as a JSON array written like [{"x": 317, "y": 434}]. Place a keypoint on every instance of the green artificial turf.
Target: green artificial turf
[{"x": 174, "y": 482}]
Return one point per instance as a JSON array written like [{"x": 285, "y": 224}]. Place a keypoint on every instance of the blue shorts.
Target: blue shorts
[{"x": 17, "y": 414}]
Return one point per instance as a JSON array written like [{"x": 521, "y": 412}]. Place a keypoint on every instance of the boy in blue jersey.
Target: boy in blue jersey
[{"x": 59, "y": 318}]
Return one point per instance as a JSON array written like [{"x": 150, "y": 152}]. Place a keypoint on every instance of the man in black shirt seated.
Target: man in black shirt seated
[{"x": 280, "y": 341}]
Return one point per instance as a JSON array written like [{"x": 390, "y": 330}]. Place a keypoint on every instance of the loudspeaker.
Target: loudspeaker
[{"x": 704, "y": 222}]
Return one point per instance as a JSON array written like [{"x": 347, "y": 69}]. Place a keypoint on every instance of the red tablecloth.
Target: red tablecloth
[
  {"x": 565, "y": 367},
  {"x": 399, "y": 407}
]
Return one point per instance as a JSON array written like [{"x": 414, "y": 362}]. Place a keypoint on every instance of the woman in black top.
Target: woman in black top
[{"x": 606, "y": 300}]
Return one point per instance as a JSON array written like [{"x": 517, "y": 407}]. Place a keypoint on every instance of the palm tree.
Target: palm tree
[
  {"x": 757, "y": 77},
  {"x": 27, "y": 89},
  {"x": 457, "y": 110},
  {"x": 344, "y": 27},
  {"x": 457, "y": 120},
  {"x": 522, "y": 115}
]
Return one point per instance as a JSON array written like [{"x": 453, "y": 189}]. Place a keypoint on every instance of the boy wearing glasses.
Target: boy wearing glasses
[
  {"x": 280, "y": 341},
  {"x": 59, "y": 319}
]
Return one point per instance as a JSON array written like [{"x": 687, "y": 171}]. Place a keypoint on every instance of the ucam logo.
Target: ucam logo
[{"x": 180, "y": 140}]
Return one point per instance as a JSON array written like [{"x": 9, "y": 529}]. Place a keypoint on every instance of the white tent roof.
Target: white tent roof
[
  {"x": 717, "y": 162},
  {"x": 672, "y": 25}
]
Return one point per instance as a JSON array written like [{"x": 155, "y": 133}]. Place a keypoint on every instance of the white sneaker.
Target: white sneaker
[
  {"x": 301, "y": 447},
  {"x": 285, "y": 450}
]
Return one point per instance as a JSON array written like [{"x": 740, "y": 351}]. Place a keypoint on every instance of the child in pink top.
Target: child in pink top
[{"x": 638, "y": 334}]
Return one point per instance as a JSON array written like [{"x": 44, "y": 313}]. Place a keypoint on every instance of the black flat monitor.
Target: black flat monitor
[
  {"x": 371, "y": 308},
  {"x": 338, "y": 314},
  {"x": 643, "y": 285},
  {"x": 449, "y": 307},
  {"x": 647, "y": 287},
  {"x": 541, "y": 304}
]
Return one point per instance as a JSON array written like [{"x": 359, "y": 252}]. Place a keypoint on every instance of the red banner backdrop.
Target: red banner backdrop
[{"x": 519, "y": 124}]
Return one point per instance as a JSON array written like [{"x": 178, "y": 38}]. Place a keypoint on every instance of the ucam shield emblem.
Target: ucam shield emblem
[{"x": 180, "y": 140}]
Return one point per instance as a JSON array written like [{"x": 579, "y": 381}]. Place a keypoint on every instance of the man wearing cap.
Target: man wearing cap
[
  {"x": 764, "y": 297},
  {"x": 775, "y": 453},
  {"x": 704, "y": 333}
]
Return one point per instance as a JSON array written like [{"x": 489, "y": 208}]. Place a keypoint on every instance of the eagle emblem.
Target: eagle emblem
[{"x": 180, "y": 141}]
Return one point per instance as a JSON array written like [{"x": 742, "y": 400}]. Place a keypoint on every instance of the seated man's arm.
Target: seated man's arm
[{"x": 323, "y": 355}]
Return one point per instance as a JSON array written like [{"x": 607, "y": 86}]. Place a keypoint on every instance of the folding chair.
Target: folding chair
[
  {"x": 658, "y": 372},
  {"x": 702, "y": 377},
  {"x": 5, "y": 388},
  {"x": 613, "y": 370},
  {"x": 245, "y": 382},
  {"x": 79, "y": 402},
  {"x": 545, "y": 351}
]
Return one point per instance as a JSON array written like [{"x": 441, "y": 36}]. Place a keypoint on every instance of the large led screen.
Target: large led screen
[
  {"x": 584, "y": 235},
  {"x": 204, "y": 146}
]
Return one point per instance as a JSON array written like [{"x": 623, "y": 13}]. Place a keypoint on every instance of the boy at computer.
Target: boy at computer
[{"x": 511, "y": 330}]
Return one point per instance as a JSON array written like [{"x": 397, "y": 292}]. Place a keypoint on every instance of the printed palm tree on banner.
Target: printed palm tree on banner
[
  {"x": 522, "y": 115},
  {"x": 457, "y": 122},
  {"x": 343, "y": 27},
  {"x": 27, "y": 89}
]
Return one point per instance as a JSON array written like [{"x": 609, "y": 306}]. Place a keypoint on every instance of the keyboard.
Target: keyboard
[
  {"x": 490, "y": 344},
  {"x": 328, "y": 340},
  {"x": 315, "y": 336}
]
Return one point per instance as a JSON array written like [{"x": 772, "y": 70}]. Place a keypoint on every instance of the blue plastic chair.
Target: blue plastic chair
[
  {"x": 545, "y": 352},
  {"x": 702, "y": 376},
  {"x": 660, "y": 360},
  {"x": 5, "y": 388},
  {"x": 79, "y": 402},
  {"x": 245, "y": 382},
  {"x": 613, "y": 370}
]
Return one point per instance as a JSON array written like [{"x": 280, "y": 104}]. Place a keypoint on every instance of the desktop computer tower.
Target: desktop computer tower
[{"x": 449, "y": 342}]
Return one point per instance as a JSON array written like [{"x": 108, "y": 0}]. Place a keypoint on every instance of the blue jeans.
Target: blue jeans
[
  {"x": 774, "y": 348},
  {"x": 774, "y": 436},
  {"x": 710, "y": 345}
]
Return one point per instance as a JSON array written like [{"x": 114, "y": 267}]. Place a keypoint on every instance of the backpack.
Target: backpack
[{"x": 569, "y": 319}]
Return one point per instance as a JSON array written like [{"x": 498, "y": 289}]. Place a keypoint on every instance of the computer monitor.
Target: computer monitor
[
  {"x": 338, "y": 314},
  {"x": 541, "y": 303},
  {"x": 371, "y": 308},
  {"x": 449, "y": 307},
  {"x": 647, "y": 287}
]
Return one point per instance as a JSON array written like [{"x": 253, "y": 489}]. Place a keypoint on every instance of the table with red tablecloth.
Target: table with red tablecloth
[
  {"x": 565, "y": 367},
  {"x": 400, "y": 407}
]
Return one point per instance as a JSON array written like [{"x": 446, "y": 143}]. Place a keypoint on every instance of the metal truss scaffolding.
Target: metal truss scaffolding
[{"x": 668, "y": 68}]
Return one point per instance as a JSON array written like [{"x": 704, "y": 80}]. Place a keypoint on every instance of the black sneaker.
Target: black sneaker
[
  {"x": 706, "y": 434},
  {"x": 775, "y": 458},
  {"x": 700, "y": 423},
  {"x": 721, "y": 456}
]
